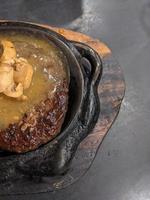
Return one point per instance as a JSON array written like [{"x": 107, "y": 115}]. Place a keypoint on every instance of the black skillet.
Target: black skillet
[{"x": 84, "y": 72}]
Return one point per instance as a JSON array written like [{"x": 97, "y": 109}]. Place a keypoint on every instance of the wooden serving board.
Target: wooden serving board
[{"x": 111, "y": 92}]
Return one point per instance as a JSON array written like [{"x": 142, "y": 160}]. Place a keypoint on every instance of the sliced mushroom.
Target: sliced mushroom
[
  {"x": 9, "y": 52},
  {"x": 23, "y": 72},
  {"x": 15, "y": 73},
  {"x": 14, "y": 91},
  {"x": 6, "y": 77}
]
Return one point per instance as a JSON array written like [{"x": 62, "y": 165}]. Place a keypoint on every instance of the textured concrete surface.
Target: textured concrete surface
[{"x": 121, "y": 170}]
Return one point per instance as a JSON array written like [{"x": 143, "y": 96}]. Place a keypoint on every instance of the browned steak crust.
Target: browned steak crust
[{"x": 38, "y": 126}]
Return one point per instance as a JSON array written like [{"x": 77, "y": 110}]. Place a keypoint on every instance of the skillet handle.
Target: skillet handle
[
  {"x": 91, "y": 67},
  {"x": 88, "y": 59}
]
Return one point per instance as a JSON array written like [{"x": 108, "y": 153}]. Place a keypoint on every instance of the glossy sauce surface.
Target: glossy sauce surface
[{"x": 49, "y": 70}]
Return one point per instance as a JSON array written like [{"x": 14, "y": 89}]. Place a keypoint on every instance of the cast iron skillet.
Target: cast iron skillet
[{"x": 84, "y": 71}]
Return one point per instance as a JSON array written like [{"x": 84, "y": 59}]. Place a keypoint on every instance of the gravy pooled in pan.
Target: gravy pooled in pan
[{"x": 33, "y": 91}]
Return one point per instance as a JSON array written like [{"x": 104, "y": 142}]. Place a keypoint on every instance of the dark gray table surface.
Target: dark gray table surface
[{"x": 121, "y": 170}]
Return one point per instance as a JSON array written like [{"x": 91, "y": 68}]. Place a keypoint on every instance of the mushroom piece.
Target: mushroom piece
[
  {"x": 23, "y": 72},
  {"x": 6, "y": 77},
  {"x": 8, "y": 52},
  {"x": 15, "y": 73},
  {"x": 7, "y": 85},
  {"x": 14, "y": 91}
]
